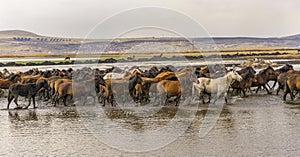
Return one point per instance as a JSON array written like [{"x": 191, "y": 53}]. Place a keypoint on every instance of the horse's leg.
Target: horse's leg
[
  {"x": 265, "y": 87},
  {"x": 65, "y": 100},
  {"x": 16, "y": 101},
  {"x": 257, "y": 89},
  {"x": 178, "y": 99},
  {"x": 33, "y": 100},
  {"x": 278, "y": 89},
  {"x": 244, "y": 93},
  {"x": 267, "y": 84},
  {"x": 292, "y": 94},
  {"x": 9, "y": 98},
  {"x": 29, "y": 100},
  {"x": 274, "y": 84},
  {"x": 166, "y": 101},
  {"x": 284, "y": 95}
]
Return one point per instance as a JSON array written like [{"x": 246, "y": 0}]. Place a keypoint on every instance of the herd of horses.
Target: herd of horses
[{"x": 162, "y": 85}]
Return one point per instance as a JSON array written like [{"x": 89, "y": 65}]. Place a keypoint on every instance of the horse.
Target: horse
[
  {"x": 26, "y": 90},
  {"x": 5, "y": 83},
  {"x": 134, "y": 85},
  {"x": 292, "y": 84},
  {"x": 281, "y": 78},
  {"x": 67, "y": 58},
  {"x": 263, "y": 77},
  {"x": 56, "y": 87},
  {"x": 117, "y": 75},
  {"x": 170, "y": 88},
  {"x": 241, "y": 86},
  {"x": 247, "y": 74},
  {"x": 218, "y": 86},
  {"x": 64, "y": 90},
  {"x": 283, "y": 69}
]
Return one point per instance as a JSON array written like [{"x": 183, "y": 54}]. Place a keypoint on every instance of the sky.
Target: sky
[{"x": 77, "y": 18}]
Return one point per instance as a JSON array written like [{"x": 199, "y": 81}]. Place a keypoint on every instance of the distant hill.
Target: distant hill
[
  {"x": 24, "y": 42},
  {"x": 293, "y": 37},
  {"x": 14, "y": 33}
]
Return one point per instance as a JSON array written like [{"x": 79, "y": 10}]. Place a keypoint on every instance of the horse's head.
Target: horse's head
[
  {"x": 270, "y": 71},
  {"x": 15, "y": 78},
  {"x": 235, "y": 76},
  {"x": 42, "y": 84},
  {"x": 251, "y": 70},
  {"x": 286, "y": 68}
]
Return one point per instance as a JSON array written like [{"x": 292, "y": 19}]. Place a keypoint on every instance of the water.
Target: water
[
  {"x": 253, "y": 126},
  {"x": 120, "y": 65}
]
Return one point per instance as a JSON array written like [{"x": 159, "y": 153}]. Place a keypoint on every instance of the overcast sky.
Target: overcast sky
[{"x": 75, "y": 18}]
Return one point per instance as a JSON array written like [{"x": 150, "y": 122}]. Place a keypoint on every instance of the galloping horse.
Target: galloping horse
[
  {"x": 247, "y": 74},
  {"x": 292, "y": 84},
  {"x": 283, "y": 69},
  {"x": 263, "y": 77},
  {"x": 218, "y": 86},
  {"x": 281, "y": 79}
]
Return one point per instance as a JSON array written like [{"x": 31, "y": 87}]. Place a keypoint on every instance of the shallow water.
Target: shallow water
[
  {"x": 127, "y": 64},
  {"x": 256, "y": 125}
]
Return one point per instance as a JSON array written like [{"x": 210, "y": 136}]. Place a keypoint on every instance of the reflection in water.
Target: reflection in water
[
  {"x": 128, "y": 118},
  {"x": 255, "y": 126},
  {"x": 22, "y": 115}
]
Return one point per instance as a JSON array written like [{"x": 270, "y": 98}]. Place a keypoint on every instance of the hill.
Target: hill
[
  {"x": 24, "y": 42},
  {"x": 14, "y": 33}
]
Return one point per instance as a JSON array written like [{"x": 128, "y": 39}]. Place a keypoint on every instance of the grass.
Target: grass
[{"x": 291, "y": 54}]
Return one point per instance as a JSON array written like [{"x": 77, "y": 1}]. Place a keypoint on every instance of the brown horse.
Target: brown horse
[
  {"x": 247, "y": 74},
  {"x": 64, "y": 90},
  {"x": 5, "y": 83},
  {"x": 283, "y": 69},
  {"x": 246, "y": 83},
  {"x": 30, "y": 78},
  {"x": 56, "y": 87},
  {"x": 281, "y": 79},
  {"x": 263, "y": 77},
  {"x": 170, "y": 89},
  {"x": 292, "y": 84}
]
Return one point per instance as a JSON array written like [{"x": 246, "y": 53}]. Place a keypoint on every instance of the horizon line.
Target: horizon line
[{"x": 219, "y": 36}]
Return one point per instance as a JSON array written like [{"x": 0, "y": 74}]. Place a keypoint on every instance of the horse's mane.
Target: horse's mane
[
  {"x": 285, "y": 68},
  {"x": 14, "y": 76},
  {"x": 265, "y": 70}
]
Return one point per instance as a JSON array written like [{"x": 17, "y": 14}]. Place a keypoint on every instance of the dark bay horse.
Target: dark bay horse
[
  {"x": 25, "y": 90},
  {"x": 263, "y": 77},
  {"x": 283, "y": 69}
]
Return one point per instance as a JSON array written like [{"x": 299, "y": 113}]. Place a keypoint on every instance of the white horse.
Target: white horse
[
  {"x": 117, "y": 75},
  {"x": 217, "y": 87}
]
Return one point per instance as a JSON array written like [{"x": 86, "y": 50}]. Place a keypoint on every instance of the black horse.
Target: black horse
[
  {"x": 25, "y": 90},
  {"x": 132, "y": 84},
  {"x": 68, "y": 58}
]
